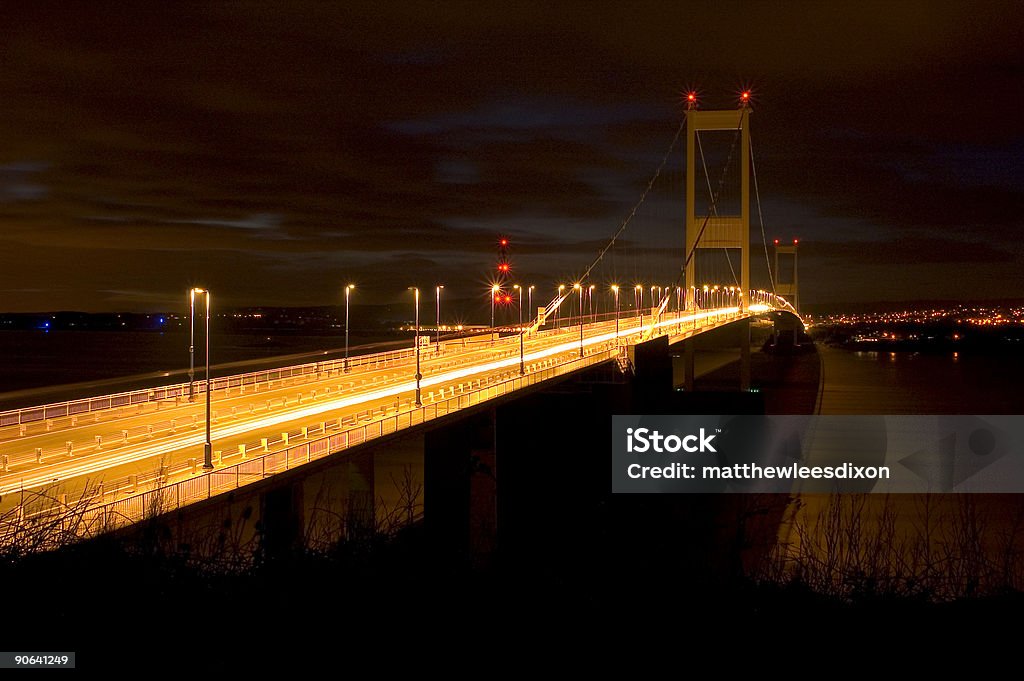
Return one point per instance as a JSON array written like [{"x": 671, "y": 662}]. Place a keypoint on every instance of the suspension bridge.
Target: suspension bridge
[{"x": 84, "y": 467}]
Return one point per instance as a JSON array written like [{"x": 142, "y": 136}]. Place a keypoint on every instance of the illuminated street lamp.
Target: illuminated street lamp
[
  {"x": 638, "y": 296},
  {"x": 615, "y": 290},
  {"x": 494, "y": 295},
  {"x": 192, "y": 344},
  {"x": 579, "y": 288},
  {"x": 558, "y": 308},
  {"x": 522, "y": 367},
  {"x": 437, "y": 341},
  {"x": 208, "y": 445},
  {"x": 590, "y": 301},
  {"x": 529, "y": 308},
  {"x": 348, "y": 292},
  {"x": 416, "y": 292}
]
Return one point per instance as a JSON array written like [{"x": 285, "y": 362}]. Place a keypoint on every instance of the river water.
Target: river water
[{"x": 921, "y": 383}]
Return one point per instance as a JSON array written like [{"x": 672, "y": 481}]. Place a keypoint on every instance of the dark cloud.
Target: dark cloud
[
  {"x": 279, "y": 149},
  {"x": 909, "y": 250}
]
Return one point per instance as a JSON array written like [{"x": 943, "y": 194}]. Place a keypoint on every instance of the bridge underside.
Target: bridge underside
[{"x": 774, "y": 331}]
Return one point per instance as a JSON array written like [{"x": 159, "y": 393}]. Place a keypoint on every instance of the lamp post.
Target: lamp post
[
  {"x": 615, "y": 290},
  {"x": 348, "y": 291},
  {"x": 638, "y": 297},
  {"x": 590, "y": 301},
  {"x": 494, "y": 295},
  {"x": 579, "y": 287},
  {"x": 529, "y": 308},
  {"x": 208, "y": 445},
  {"x": 416, "y": 292},
  {"x": 558, "y": 309},
  {"x": 192, "y": 344},
  {"x": 437, "y": 340},
  {"x": 522, "y": 367}
]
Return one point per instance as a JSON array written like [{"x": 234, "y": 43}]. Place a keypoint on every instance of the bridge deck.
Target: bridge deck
[{"x": 122, "y": 459}]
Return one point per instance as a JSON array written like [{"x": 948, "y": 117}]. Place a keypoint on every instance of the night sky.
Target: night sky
[{"x": 276, "y": 153}]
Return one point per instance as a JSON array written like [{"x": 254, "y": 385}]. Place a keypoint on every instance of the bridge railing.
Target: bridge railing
[
  {"x": 143, "y": 396},
  {"x": 103, "y": 511},
  {"x": 179, "y": 390}
]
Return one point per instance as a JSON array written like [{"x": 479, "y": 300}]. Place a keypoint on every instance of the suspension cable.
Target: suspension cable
[
  {"x": 625, "y": 223},
  {"x": 760, "y": 216}
]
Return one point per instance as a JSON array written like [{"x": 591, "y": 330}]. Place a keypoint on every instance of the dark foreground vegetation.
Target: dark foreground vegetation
[{"x": 622, "y": 582}]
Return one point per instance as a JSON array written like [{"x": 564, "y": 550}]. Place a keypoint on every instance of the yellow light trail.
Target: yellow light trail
[{"x": 220, "y": 432}]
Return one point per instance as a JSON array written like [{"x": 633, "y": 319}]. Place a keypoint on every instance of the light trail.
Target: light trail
[{"x": 226, "y": 431}]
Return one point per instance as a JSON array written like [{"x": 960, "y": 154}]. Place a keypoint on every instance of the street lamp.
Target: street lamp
[
  {"x": 494, "y": 295},
  {"x": 579, "y": 288},
  {"x": 590, "y": 301},
  {"x": 529, "y": 308},
  {"x": 416, "y": 291},
  {"x": 437, "y": 341},
  {"x": 348, "y": 292},
  {"x": 208, "y": 445},
  {"x": 558, "y": 309},
  {"x": 192, "y": 344},
  {"x": 522, "y": 367},
  {"x": 638, "y": 297},
  {"x": 615, "y": 290}
]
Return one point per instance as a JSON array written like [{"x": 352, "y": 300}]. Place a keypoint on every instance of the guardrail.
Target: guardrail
[
  {"x": 126, "y": 399},
  {"x": 98, "y": 516},
  {"x": 129, "y": 398}
]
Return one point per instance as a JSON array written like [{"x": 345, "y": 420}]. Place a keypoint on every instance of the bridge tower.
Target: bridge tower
[
  {"x": 721, "y": 231},
  {"x": 788, "y": 289}
]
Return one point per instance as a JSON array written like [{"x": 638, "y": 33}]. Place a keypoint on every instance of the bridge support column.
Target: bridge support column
[
  {"x": 688, "y": 370},
  {"x": 360, "y": 512},
  {"x": 745, "y": 355},
  {"x": 460, "y": 502}
]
